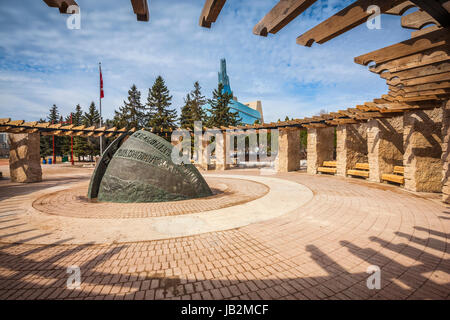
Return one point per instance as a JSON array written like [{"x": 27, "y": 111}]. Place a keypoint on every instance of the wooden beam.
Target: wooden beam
[
  {"x": 418, "y": 33},
  {"x": 405, "y": 48},
  {"x": 284, "y": 12},
  {"x": 346, "y": 19},
  {"x": 417, "y": 20},
  {"x": 400, "y": 9},
  {"x": 435, "y": 9},
  {"x": 210, "y": 12},
  {"x": 426, "y": 79},
  {"x": 428, "y": 86},
  {"x": 435, "y": 68},
  {"x": 62, "y": 5},
  {"x": 421, "y": 59},
  {"x": 140, "y": 8},
  {"x": 427, "y": 93},
  {"x": 5, "y": 120}
]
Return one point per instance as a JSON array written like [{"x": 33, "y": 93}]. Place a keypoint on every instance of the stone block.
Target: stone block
[
  {"x": 320, "y": 147},
  {"x": 422, "y": 140},
  {"x": 24, "y": 158},
  {"x": 288, "y": 150},
  {"x": 351, "y": 146}
]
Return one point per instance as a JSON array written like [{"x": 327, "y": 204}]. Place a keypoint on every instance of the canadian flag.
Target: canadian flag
[{"x": 102, "y": 94}]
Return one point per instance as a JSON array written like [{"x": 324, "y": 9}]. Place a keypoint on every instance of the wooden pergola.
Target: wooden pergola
[{"x": 417, "y": 70}]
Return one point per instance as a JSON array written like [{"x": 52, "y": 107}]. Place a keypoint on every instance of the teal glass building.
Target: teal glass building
[{"x": 247, "y": 114}]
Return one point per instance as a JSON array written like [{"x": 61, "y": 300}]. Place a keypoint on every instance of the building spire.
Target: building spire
[{"x": 223, "y": 77}]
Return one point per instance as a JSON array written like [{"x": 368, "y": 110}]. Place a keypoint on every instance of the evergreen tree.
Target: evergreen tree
[
  {"x": 90, "y": 119},
  {"x": 132, "y": 113},
  {"x": 54, "y": 118},
  {"x": 220, "y": 113},
  {"x": 45, "y": 146},
  {"x": 161, "y": 117},
  {"x": 193, "y": 108},
  {"x": 186, "y": 113},
  {"x": 80, "y": 146}
]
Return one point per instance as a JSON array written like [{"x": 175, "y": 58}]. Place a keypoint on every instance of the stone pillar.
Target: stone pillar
[
  {"x": 203, "y": 157},
  {"x": 24, "y": 157},
  {"x": 446, "y": 152},
  {"x": 320, "y": 147},
  {"x": 288, "y": 150},
  {"x": 222, "y": 157},
  {"x": 384, "y": 146},
  {"x": 351, "y": 146},
  {"x": 422, "y": 139}
]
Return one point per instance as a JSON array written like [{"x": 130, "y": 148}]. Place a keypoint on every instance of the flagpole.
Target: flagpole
[{"x": 100, "y": 95}]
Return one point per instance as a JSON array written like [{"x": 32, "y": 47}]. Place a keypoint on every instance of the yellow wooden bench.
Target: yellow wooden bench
[
  {"x": 361, "y": 170},
  {"x": 328, "y": 167},
  {"x": 396, "y": 177}
]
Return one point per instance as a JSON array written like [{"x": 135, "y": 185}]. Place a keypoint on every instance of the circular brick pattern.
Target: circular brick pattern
[
  {"x": 321, "y": 250},
  {"x": 73, "y": 202}
]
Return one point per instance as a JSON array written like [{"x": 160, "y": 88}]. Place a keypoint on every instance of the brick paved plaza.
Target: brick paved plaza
[{"x": 319, "y": 250}]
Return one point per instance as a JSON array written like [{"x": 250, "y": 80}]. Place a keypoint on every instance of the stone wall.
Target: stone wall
[
  {"x": 288, "y": 150},
  {"x": 24, "y": 157},
  {"x": 446, "y": 152},
  {"x": 320, "y": 147},
  {"x": 385, "y": 146},
  {"x": 422, "y": 141},
  {"x": 351, "y": 146}
]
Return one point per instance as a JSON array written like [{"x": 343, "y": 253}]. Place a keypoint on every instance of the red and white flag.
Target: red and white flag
[{"x": 102, "y": 94}]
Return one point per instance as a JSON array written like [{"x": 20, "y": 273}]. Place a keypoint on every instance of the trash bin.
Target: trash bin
[
  {"x": 49, "y": 160},
  {"x": 44, "y": 161},
  {"x": 65, "y": 159}
]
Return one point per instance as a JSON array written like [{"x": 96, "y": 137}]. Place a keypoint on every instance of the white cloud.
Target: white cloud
[{"x": 42, "y": 62}]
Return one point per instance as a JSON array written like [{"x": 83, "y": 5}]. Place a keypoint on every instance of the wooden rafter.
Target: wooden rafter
[
  {"x": 140, "y": 8},
  {"x": 435, "y": 9},
  {"x": 434, "y": 55},
  {"x": 62, "y": 5},
  {"x": 421, "y": 80},
  {"x": 431, "y": 69},
  {"x": 430, "y": 40},
  {"x": 284, "y": 12},
  {"x": 417, "y": 20},
  {"x": 210, "y": 12},
  {"x": 346, "y": 19}
]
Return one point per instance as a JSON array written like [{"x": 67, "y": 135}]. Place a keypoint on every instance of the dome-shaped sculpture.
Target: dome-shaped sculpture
[{"x": 142, "y": 170}]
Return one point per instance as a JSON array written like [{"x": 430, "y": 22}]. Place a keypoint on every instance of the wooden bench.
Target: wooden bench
[
  {"x": 328, "y": 167},
  {"x": 396, "y": 177},
  {"x": 361, "y": 170}
]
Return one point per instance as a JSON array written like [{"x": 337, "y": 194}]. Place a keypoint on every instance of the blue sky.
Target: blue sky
[{"x": 44, "y": 63}]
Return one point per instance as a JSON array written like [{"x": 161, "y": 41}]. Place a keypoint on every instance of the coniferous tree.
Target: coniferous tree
[
  {"x": 186, "y": 113},
  {"x": 54, "y": 118},
  {"x": 132, "y": 113},
  {"x": 80, "y": 145},
  {"x": 45, "y": 146},
  {"x": 193, "y": 109},
  {"x": 161, "y": 117},
  {"x": 219, "y": 111},
  {"x": 90, "y": 119}
]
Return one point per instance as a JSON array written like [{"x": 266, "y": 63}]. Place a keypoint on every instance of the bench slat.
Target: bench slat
[
  {"x": 362, "y": 166},
  {"x": 399, "y": 169},
  {"x": 330, "y": 164},
  {"x": 393, "y": 178},
  {"x": 359, "y": 173},
  {"x": 327, "y": 170}
]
